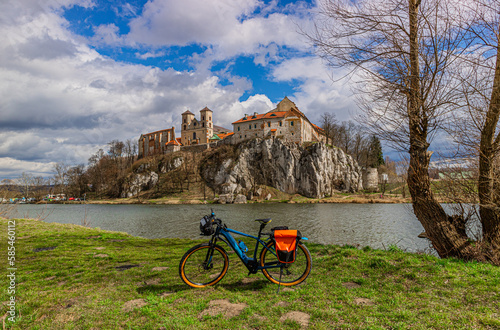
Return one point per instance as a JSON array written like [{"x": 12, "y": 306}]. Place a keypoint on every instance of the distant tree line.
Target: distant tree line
[
  {"x": 354, "y": 140},
  {"x": 103, "y": 176}
]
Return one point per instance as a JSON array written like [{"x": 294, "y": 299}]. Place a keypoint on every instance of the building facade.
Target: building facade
[
  {"x": 155, "y": 142},
  {"x": 194, "y": 131},
  {"x": 286, "y": 122}
]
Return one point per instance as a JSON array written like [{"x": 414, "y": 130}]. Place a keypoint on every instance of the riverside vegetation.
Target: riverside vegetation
[{"x": 73, "y": 277}]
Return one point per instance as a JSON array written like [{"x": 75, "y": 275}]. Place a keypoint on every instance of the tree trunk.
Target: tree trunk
[
  {"x": 443, "y": 231},
  {"x": 489, "y": 210}
]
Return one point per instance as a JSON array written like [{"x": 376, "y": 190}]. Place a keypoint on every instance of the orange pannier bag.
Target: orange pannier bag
[{"x": 286, "y": 244}]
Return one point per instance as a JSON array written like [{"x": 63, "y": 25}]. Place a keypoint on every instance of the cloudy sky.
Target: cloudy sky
[{"x": 76, "y": 74}]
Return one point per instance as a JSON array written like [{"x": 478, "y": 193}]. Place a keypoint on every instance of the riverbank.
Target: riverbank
[
  {"x": 70, "y": 276},
  {"x": 372, "y": 198}
]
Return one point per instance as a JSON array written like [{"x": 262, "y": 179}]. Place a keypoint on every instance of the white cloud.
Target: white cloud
[
  {"x": 147, "y": 55},
  {"x": 318, "y": 91}
]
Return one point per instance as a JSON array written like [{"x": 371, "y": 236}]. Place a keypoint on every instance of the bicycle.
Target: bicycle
[{"x": 207, "y": 263}]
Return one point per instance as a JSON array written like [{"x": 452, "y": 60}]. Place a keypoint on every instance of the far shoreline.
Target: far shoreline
[{"x": 297, "y": 199}]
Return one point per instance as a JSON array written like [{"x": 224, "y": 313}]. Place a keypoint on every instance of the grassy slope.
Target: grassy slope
[{"x": 68, "y": 287}]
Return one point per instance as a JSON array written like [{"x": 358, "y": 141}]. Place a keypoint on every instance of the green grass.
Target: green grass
[{"x": 68, "y": 287}]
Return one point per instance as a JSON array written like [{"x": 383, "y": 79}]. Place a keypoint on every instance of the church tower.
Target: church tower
[{"x": 206, "y": 124}]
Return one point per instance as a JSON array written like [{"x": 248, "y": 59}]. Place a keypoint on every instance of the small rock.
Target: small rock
[
  {"x": 363, "y": 302},
  {"x": 268, "y": 197},
  {"x": 258, "y": 192},
  {"x": 100, "y": 248},
  {"x": 101, "y": 255}
]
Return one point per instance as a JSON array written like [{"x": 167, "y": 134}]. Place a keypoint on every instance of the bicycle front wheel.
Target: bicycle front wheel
[
  {"x": 292, "y": 273},
  {"x": 202, "y": 266}
]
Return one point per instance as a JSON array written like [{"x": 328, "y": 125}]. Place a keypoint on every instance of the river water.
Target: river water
[{"x": 374, "y": 225}]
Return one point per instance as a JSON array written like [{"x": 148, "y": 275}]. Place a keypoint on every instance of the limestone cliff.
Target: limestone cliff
[{"x": 313, "y": 171}]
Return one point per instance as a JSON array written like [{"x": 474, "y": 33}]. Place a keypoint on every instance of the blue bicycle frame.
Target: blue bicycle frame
[{"x": 250, "y": 263}]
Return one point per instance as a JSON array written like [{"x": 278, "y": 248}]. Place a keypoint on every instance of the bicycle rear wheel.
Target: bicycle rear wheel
[
  {"x": 203, "y": 266},
  {"x": 293, "y": 273}
]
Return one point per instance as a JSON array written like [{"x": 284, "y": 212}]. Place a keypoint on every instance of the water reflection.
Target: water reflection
[{"x": 375, "y": 225}]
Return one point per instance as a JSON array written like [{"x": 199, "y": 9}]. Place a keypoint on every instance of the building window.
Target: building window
[
  {"x": 255, "y": 126},
  {"x": 184, "y": 126},
  {"x": 291, "y": 123},
  {"x": 184, "y": 120},
  {"x": 239, "y": 129},
  {"x": 202, "y": 124},
  {"x": 269, "y": 124},
  {"x": 202, "y": 117},
  {"x": 194, "y": 135},
  {"x": 249, "y": 127},
  {"x": 194, "y": 124},
  {"x": 281, "y": 123},
  {"x": 209, "y": 118}
]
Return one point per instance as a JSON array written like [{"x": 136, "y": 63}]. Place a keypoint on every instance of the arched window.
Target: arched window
[
  {"x": 202, "y": 124},
  {"x": 184, "y": 126},
  {"x": 194, "y": 135}
]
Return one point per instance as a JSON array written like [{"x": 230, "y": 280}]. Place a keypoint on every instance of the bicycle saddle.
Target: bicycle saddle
[{"x": 264, "y": 221}]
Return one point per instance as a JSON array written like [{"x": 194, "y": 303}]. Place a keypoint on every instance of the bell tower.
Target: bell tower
[{"x": 206, "y": 124}]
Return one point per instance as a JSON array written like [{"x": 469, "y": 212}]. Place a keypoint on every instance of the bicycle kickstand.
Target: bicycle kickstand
[{"x": 281, "y": 273}]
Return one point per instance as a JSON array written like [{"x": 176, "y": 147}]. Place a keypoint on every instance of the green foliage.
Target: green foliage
[{"x": 375, "y": 154}]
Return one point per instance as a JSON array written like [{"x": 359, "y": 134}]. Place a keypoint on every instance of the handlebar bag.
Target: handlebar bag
[{"x": 286, "y": 244}]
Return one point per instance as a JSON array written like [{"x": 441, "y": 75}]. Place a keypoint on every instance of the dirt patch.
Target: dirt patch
[
  {"x": 23, "y": 237},
  {"x": 159, "y": 269},
  {"x": 363, "y": 302},
  {"x": 100, "y": 248},
  {"x": 94, "y": 237},
  {"x": 282, "y": 304},
  {"x": 51, "y": 278},
  {"x": 152, "y": 281},
  {"x": 133, "y": 304},
  {"x": 101, "y": 255},
  {"x": 248, "y": 280},
  {"x": 223, "y": 306},
  {"x": 165, "y": 294},
  {"x": 351, "y": 285},
  {"x": 299, "y": 317}
]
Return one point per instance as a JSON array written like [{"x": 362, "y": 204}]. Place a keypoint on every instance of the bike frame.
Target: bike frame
[{"x": 250, "y": 263}]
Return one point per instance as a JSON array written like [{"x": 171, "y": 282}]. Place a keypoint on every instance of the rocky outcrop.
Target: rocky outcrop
[
  {"x": 313, "y": 171},
  {"x": 146, "y": 175},
  {"x": 140, "y": 182}
]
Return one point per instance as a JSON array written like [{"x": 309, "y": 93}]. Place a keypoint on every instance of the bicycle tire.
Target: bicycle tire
[
  {"x": 293, "y": 273},
  {"x": 194, "y": 273}
]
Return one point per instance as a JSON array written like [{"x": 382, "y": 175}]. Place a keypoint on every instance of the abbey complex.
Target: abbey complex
[{"x": 285, "y": 122}]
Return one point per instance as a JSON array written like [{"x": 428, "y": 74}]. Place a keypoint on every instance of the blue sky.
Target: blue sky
[{"x": 77, "y": 74}]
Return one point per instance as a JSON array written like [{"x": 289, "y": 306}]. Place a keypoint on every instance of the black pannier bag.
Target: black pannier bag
[
  {"x": 206, "y": 227},
  {"x": 286, "y": 242}
]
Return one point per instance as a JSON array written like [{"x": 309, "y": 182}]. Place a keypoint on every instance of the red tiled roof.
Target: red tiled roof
[
  {"x": 274, "y": 130},
  {"x": 317, "y": 127},
  {"x": 267, "y": 115},
  {"x": 222, "y": 136},
  {"x": 172, "y": 142}
]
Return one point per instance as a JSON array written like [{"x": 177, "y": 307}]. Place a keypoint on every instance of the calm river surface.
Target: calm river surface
[{"x": 374, "y": 225}]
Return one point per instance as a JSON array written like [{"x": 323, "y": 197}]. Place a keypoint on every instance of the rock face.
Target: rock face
[
  {"x": 146, "y": 176},
  {"x": 313, "y": 171}
]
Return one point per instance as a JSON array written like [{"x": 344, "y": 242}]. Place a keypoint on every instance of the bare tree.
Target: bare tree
[
  {"x": 328, "y": 122},
  {"x": 402, "y": 51},
  {"x": 26, "y": 182}
]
